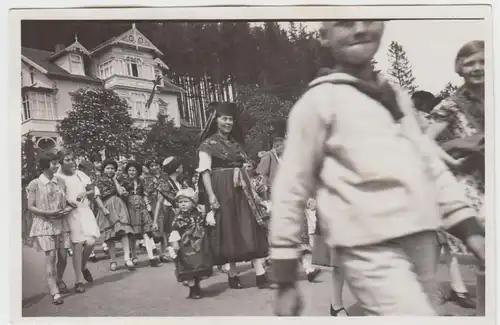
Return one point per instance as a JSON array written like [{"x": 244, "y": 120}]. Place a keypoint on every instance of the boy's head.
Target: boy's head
[
  {"x": 352, "y": 42},
  {"x": 48, "y": 162},
  {"x": 186, "y": 199},
  {"x": 424, "y": 101}
]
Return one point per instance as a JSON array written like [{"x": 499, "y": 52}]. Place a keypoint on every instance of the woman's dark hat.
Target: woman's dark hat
[
  {"x": 224, "y": 109},
  {"x": 133, "y": 163},
  {"x": 171, "y": 164}
]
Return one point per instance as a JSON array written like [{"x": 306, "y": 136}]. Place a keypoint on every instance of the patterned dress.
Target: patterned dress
[
  {"x": 240, "y": 232},
  {"x": 48, "y": 195},
  {"x": 117, "y": 223},
  {"x": 154, "y": 185},
  {"x": 194, "y": 256},
  {"x": 140, "y": 218},
  {"x": 464, "y": 114}
]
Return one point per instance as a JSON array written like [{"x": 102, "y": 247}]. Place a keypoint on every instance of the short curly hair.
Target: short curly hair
[
  {"x": 136, "y": 165},
  {"x": 107, "y": 162}
]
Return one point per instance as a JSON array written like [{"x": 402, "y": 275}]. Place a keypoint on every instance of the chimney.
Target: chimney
[{"x": 59, "y": 47}]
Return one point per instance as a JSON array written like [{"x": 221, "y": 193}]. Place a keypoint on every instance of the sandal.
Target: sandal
[
  {"x": 113, "y": 266},
  {"x": 79, "y": 288},
  {"x": 135, "y": 260},
  {"x": 130, "y": 266},
  {"x": 164, "y": 258},
  {"x": 57, "y": 299},
  {"x": 63, "y": 288}
]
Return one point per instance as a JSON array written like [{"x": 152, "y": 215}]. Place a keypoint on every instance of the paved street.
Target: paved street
[{"x": 155, "y": 292}]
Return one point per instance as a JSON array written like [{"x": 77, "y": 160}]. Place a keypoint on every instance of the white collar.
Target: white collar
[{"x": 45, "y": 180}]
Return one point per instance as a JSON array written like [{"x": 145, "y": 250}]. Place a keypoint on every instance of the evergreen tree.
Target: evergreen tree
[
  {"x": 448, "y": 90},
  {"x": 400, "y": 70},
  {"x": 99, "y": 119},
  {"x": 28, "y": 160}
]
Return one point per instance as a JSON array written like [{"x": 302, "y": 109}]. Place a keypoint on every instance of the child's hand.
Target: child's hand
[
  {"x": 81, "y": 197},
  {"x": 105, "y": 211},
  {"x": 155, "y": 226},
  {"x": 210, "y": 219}
]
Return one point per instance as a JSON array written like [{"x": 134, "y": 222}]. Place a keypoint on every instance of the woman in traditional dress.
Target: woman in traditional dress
[
  {"x": 140, "y": 218},
  {"x": 240, "y": 232},
  {"x": 113, "y": 218},
  {"x": 457, "y": 123},
  {"x": 155, "y": 183}
]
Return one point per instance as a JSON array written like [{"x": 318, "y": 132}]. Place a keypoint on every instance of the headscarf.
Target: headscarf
[{"x": 223, "y": 109}]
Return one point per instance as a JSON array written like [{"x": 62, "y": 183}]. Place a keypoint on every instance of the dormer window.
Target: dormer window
[{"x": 75, "y": 64}]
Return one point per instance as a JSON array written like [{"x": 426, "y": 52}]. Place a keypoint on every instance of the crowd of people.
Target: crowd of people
[{"x": 387, "y": 181}]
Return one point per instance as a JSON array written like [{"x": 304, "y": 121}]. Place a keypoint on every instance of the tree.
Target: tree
[
  {"x": 374, "y": 63},
  {"x": 448, "y": 90},
  {"x": 164, "y": 139},
  {"x": 99, "y": 119},
  {"x": 28, "y": 160},
  {"x": 400, "y": 70},
  {"x": 263, "y": 117}
]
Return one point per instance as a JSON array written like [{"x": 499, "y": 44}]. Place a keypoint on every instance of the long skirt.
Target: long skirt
[
  {"x": 140, "y": 219},
  {"x": 117, "y": 224},
  {"x": 236, "y": 236}
]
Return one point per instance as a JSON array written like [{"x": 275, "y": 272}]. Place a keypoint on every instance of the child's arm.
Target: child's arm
[{"x": 295, "y": 181}]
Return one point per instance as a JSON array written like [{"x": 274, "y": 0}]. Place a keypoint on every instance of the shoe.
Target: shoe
[
  {"x": 63, "y": 288},
  {"x": 335, "y": 313},
  {"x": 87, "y": 275},
  {"x": 262, "y": 282},
  {"x": 195, "y": 292},
  {"x": 70, "y": 252},
  {"x": 165, "y": 259},
  {"x": 57, "y": 299},
  {"x": 92, "y": 257},
  {"x": 462, "y": 299},
  {"x": 154, "y": 262},
  {"x": 79, "y": 288},
  {"x": 130, "y": 266},
  {"x": 113, "y": 266},
  {"x": 234, "y": 282},
  {"x": 313, "y": 275},
  {"x": 135, "y": 260}
]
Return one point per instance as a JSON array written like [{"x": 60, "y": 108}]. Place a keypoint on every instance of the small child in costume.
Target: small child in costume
[{"x": 190, "y": 242}]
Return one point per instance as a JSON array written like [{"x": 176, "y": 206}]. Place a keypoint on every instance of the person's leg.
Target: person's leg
[
  {"x": 233, "y": 279},
  {"x": 458, "y": 293},
  {"x": 383, "y": 281},
  {"x": 111, "y": 245},
  {"x": 337, "y": 303},
  {"x": 51, "y": 270},
  {"x": 62, "y": 261},
  {"x": 149, "y": 247},
  {"x": 126, "y": 248},
  {"x": 77, "y": 261},
  {"x": 133, "y": 247},
  {"x": 88, "y": 249}
]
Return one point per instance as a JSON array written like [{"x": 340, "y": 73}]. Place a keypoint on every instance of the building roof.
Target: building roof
[
  {"x": 43, "y": 59},
  {"x": 132, "y": 37},
  {"x": 74, "y": 47}
]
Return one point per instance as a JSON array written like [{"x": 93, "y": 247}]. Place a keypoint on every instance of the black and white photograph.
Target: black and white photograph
[{"x": 314, "y": 165}]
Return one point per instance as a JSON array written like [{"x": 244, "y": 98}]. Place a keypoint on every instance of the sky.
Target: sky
[{"x": 430, "y": 46}]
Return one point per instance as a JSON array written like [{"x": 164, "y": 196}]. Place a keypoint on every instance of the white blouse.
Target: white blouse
[{"x": 205, "y": 162}]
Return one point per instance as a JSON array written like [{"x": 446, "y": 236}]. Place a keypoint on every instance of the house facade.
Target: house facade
[{"x": 127, "y": 64}]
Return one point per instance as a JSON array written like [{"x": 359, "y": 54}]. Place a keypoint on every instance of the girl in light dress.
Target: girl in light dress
[
  {"x": 50, "y": 233},
  {"x": 81, "y": 220}
]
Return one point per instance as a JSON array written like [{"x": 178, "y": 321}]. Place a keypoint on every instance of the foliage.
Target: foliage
[
  {"x": 448, "y": 90},
  {"x": 263, "y": 117},
  {"x": 374, "y": 63},
  {"x": 99, "y": 119},
  {"x": 400, "y": 70},
  {"x": 164, "y": 139},
  {"x": 28, "y": 160}
]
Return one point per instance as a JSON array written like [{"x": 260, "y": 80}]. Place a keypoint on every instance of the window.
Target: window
[
  {"x": 138, "y": 102},
  {"x": 39, "y": 106},
  {"x": 158, "y": 73},
  {"x": 134, "y": 67},
  {"x": 32, "y": 75},
  {"x": 106, "y": 69},
  {"x": 75, "y": 58}
]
